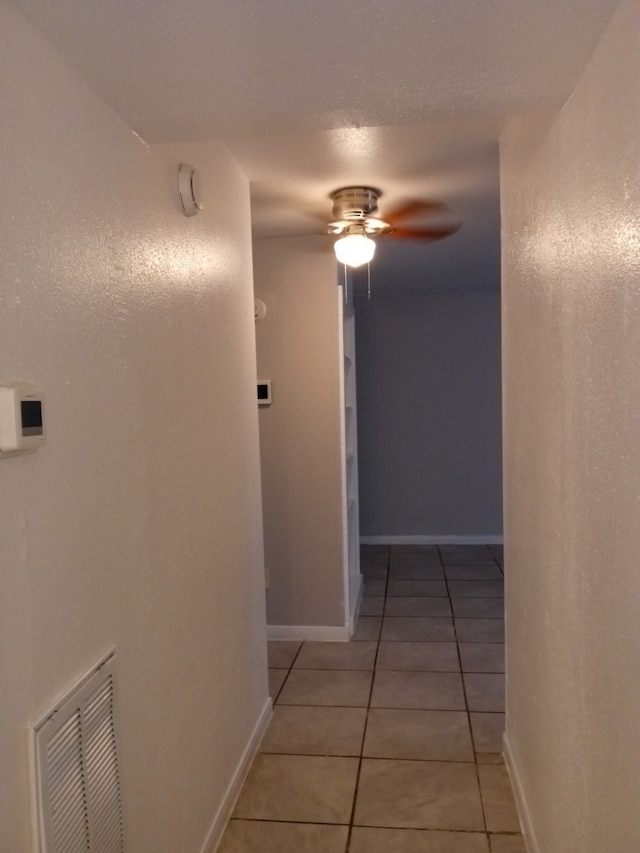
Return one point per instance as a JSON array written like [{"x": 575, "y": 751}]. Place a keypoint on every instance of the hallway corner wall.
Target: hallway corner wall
[
  {"x": 138, "y": 525},
  {"x": 298, "y": 349},
  {"x": 571, "y": 349}
]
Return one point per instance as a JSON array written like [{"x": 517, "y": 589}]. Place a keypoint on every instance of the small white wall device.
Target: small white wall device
[
  {"x": 21, "y": 418},
  {"x": 189, "y": 189}
]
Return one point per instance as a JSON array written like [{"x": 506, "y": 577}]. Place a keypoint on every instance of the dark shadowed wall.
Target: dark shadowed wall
[{"x": 429, "y": 432}]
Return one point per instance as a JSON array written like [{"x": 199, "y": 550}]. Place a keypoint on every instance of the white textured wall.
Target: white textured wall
[
  {"x": 138, "y": 525},
  {"x": 298, "y": 349},
  {"x": 429, "y": 431},
  {"x": 571, "y": 207}
]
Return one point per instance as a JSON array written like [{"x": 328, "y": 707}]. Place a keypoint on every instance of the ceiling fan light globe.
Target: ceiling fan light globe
[{"x": 354, "y": 250}]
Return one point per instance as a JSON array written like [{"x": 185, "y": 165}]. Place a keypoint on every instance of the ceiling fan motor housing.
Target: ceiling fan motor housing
[
  {"x": 355, "y": 209},
  {"x": 355, "y": 203}
]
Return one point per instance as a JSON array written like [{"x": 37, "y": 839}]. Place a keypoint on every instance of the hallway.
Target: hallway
[{"x": 391, "y": 742}]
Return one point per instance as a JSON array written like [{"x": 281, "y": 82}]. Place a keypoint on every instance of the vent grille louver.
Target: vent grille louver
[{"x": 75, "y": 770}]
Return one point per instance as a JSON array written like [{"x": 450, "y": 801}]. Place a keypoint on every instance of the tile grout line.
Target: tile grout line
[
  {"x": 366, "y": 719},
  {"x": 295, "y": 658},
  {"x": 466, "y": 702}
]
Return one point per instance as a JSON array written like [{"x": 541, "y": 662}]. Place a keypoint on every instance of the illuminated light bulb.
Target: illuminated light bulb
[{"x": 354, "y": 250}]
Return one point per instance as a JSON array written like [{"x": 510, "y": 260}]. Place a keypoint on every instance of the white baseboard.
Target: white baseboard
[
  {"x": 432, "y": 540},
  {"x": 219, "y": 824},
  {"x": 322, "y": 633},
  {"x": 355, "y": 606},
  {"x": 523, "y": 812}
]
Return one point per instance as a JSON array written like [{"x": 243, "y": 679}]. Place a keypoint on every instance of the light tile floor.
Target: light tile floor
[{"x": 391, "y": 742}]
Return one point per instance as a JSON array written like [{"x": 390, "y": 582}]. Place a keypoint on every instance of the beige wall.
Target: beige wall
[
  {"x": 138, "y": 525},
  {"x": 571, "y": 319},
  {"x": 298, "y": 347}
]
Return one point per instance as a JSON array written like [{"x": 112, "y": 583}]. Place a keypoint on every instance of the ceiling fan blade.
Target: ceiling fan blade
[
  {"x": 414, "y": 209},
  {"x": 436, "y": 232}
]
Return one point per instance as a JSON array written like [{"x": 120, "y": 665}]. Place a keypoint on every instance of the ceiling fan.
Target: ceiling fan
[{"x": 356, "y": 221}]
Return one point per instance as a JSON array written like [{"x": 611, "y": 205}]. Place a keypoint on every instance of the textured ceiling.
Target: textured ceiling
[
  {"x": 187, "y": 69},
  {"x": 310, "y": 95},
  {"x": 293, "y": 174}
]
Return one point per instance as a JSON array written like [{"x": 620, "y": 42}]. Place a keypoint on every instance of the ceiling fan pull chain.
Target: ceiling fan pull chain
[
  {"x": 369, "y": 281},
  {"x": 346, "y": 285}
]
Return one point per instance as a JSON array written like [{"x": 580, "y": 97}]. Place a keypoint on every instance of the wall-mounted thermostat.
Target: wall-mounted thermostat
[
  {"x": 21, "y": 418},
  {"x": 264, "y": 392}
]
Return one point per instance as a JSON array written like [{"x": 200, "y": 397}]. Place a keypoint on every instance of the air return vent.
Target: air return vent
[{"x": 75, "y": 769}]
